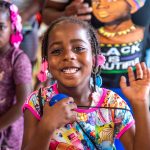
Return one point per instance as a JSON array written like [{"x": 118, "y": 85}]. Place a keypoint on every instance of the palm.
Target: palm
[{"x": 138, "y": 89}]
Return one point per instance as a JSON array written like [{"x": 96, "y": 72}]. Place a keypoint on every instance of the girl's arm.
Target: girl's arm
[
  {"x": 138, "y": 93},
  {"x": 22, "y": 77},
  {"x": 22, "y": 91},
  {"x": 37, "y": 134}
]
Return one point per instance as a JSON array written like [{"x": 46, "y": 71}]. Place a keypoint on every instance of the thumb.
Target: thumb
[{"x": 123, "y": 82}]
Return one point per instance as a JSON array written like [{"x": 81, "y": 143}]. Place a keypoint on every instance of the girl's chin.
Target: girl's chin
[{"x": 69, "y": 84}]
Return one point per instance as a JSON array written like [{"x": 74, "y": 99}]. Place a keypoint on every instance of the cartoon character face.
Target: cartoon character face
[{"x": 108, "y": 11}]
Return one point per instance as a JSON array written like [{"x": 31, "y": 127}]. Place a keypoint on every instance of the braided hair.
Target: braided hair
[
  {"x": 91, "y": 34},
  {"x": 12, "y": 12}
]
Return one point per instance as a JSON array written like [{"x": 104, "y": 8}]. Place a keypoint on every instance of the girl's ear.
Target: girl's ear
[
  {"x": 42, "y": 76},
  {"x": 100, "y": 60}
]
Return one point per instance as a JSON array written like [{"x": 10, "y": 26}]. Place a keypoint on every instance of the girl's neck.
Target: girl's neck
[
  {"x": 5, "y": 49},
  {"x": 80, "y": 95}
]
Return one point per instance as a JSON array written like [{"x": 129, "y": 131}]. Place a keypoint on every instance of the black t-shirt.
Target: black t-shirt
[{"x": 118, "y": 58}]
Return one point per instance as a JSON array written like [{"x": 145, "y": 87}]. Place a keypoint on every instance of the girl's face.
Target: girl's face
[
  {"x": 70, "y": 55},
  {"x": 5, "y": 30},
  {"x": 110, "y": 10}
]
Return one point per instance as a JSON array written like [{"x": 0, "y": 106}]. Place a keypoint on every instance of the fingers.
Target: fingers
[
  {"x": 69, "y": 110},
  {"x": 146, "y": 71},
  {"x": 68, "y": 104},
  {"x": 84, "y": 17},
  {"x": 68, "y": 100},
  {"x": 123, "y": 83},
  {"x": 142, "y": 72},
  {"x": 84, "y": 9},
  {"x": 73, "y": 106},
  {"x": 79, "y": 9},
  {"x": 139, "y": 71},
  {"x": 131, "y": 74}
]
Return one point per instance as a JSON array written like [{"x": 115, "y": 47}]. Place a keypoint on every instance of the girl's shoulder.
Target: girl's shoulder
[
  {"x": 37, "y": 99},
  {"x": 17, "y": 55},
  {"x": 113, "y": 100}
]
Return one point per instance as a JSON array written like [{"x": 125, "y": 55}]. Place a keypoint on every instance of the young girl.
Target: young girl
[
  {"x": 15, "y": 78},
  {"x": 90, "y": 117}
]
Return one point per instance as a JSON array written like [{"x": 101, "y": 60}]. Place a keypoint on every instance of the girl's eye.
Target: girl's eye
[
  {"x": 79, "y": 49},
  {"x": 56, "y": 52},
  {"x": 2, "y": 27}
]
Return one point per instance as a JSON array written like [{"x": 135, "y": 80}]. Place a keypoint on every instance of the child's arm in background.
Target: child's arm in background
[
  {"x": 138, "y": 93},
  {"x": 22, "y": 91},
  {"x": 53, "y": 10},
  {"x": 37, "y": 134},
  {"x": 22, "y": 78}
]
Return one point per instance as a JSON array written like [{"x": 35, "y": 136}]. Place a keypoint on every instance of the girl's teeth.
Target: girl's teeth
[{"x": 70, "y": 70}]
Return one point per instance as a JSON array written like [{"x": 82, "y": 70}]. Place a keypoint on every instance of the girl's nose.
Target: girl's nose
[{"x": 68, "y": 54}]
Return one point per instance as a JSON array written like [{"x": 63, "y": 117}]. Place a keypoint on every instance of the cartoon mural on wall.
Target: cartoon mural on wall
[{"x": 120, "y": 39}]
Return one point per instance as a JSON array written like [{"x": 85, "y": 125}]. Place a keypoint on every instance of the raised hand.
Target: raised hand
[
  {"x": 138, "y": 90},
  {"x": 79, "y": 9}
]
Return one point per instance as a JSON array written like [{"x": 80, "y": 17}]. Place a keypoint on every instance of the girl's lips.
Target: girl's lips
[{"x": 70, "y": 70}]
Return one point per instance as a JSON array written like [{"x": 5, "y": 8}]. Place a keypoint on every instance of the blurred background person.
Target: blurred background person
[
  {"x": 15, "y": 78},
  {"x": 28, "y": 10}
]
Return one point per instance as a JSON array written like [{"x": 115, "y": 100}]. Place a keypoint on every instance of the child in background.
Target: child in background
[
  {"x": 15, "y": 78},
  {"x": 28, "y": 10},
  {"x": 90, "y": 117}
]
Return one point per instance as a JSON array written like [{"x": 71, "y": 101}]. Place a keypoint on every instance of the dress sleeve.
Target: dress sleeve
[
  {"x": 33, "y": 101},
  {"x": 123, "y": 118},
  {"x": 32, "y": 104},
  {"x": 22, "y": 70},
  {"x": 123, "y": 121}
]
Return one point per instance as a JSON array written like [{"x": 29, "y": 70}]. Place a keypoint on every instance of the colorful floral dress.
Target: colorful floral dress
[{"x": 96, "y": 127}]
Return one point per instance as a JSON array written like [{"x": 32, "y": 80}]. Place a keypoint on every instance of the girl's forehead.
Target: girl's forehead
[
  {"x": 67, "y": 32},
  {"x": 67, "y": 28},
  {"x": 67, "y": 24}
]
